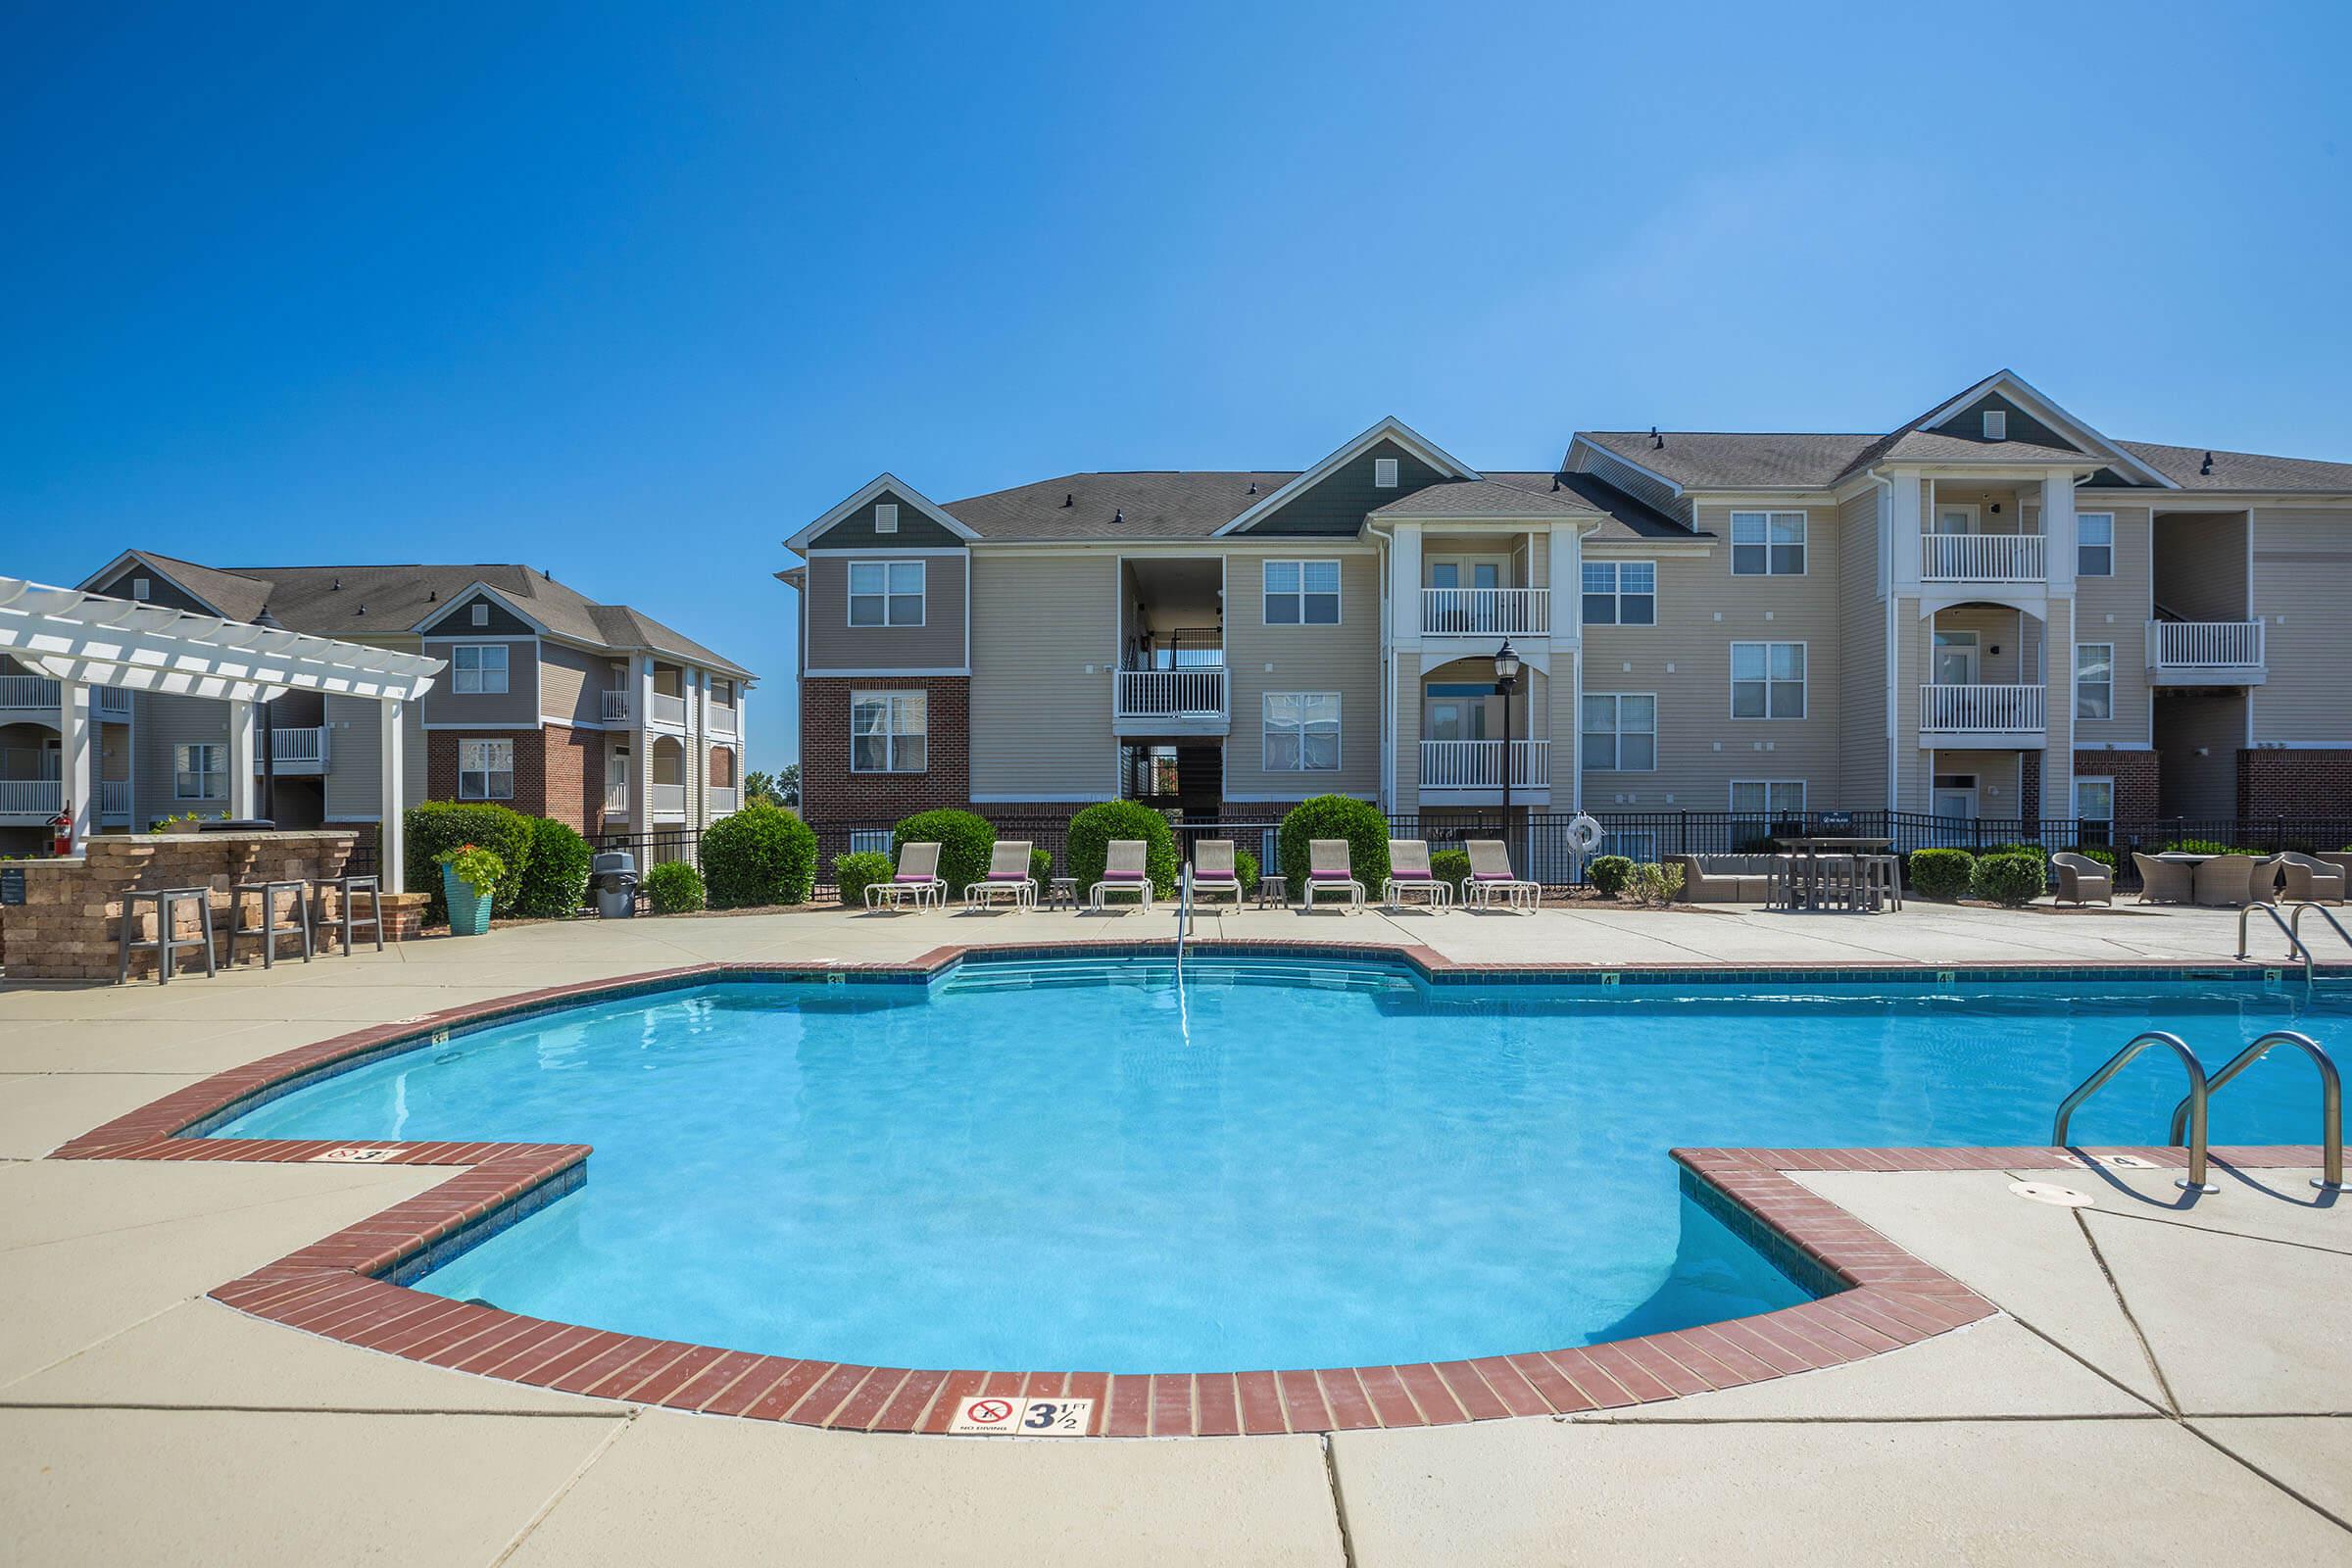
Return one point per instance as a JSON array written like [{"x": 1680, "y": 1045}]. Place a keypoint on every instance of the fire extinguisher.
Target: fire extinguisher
[{"x": 63, "y": 823}]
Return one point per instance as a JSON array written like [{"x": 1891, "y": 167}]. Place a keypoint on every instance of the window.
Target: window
[
  {"x": 1996, "y": 424},
  {"x": 199, "y": 772},
  {"x": 141, "y": 588},
  {"x": 2095, "y": 800},
  {"x": 1775, "y": 797},
  {"x": 889, "y": 732},
  {"x": 1621, "y": 593},
  {"x": 886, "y": 593},
  {"x": 1303, "y": 592},
  {"x": 1301, "y": 733},
  {"x": 477, "y": 669},
  {"x": 2094, "y": 680},
  {"x": 886, "y": 517},
  {"x": 871, "y": 840},
  {"x": 480, "y": 614},
  {"x": 1639, "y": 845},
  {"x": 1768, "y": 544},
  {"x": 485, "y": 770},
  {"x": 1620, "y": 732},
  {"x": 1383, "y": 473},
  {"x": 2094, "y": 544},
  {"x": 1768, "y": 680}
]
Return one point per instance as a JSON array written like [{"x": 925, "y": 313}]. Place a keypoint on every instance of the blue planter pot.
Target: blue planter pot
[{"x": 468, "y": 914}]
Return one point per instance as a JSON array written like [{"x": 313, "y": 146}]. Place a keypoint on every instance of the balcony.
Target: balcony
[
  {"x": 31, "y": 801},
  {"x": 1997, "y": 717},
  {"x": 668, "y": 800},
  {"x": 1170, "y": 701},
  {"x": 1485, "y": 611},
  {"x": 617, "y": 800},
  {"x": 300, "y": 753},
  {"x": 1983, "y": 557},
  {"x": 670, "y": 710},
  {"x": 2205, "y": 652},
  {"x": 113, "y": 705},
  {"x": 114, "y": 799},
  {"x": 615, "y": 707},
  {"x": 722, "y": 721},
  {"x": 31, "y": 694},
  {"x": 724, "y": 797},
  {"x": 1470, "y": 772}
]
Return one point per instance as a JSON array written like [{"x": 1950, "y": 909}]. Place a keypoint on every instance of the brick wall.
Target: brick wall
[
  {"x": 831, "y": 793},
  {"x": 2134, "y": 774},
  {"x": 723, "y": 766},
  {"x": 2029, "y": 790},
  {"x": 2275, "y": 782},
  {"x": 576, "y": 776},
  {"x": 531, "y": 747}
]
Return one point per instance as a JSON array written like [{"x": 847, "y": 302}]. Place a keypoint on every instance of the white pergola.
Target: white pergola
[{"x": 82, "y": 640}]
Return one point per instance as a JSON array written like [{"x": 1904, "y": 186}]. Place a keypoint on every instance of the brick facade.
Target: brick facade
[
  {"x": 559, "y": 771},
  {"x": 831, "y": 793},
  {"x": 2134, "y": 774},
  {"x": 2272, "y": 781}
]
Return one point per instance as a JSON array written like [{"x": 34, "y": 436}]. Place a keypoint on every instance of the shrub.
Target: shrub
[
  {"x": 759, "y": 855},
  {"x": 476, "y": 867},
  {"x": 965, "y": 842},
  {"x": 1451, "y": 867},
  {"x": 2095, "y": 852},
  {"x": 1606, "y": 874},
  {"x": 1941, "y": 873},
  {"x": 1336, "y": 817},
  {"x": 854, "y": 873},
  {"x": 2011, "y": 879},
  {"x": 1041, "y": 871},
  {"x": 555, "y": 880},
  {"x": 1245, "y": 871},
  {"x": 437, "y": 827},
  {"x": 2034, "y": 849},
  {"x": 674, "y": 888},
  {"x": 2196, "y": 846},
  {"x": 1652, "y": 885},
  {"x": 1093, "y": 829}
]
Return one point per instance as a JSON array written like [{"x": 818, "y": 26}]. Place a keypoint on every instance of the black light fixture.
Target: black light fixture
[
  {"x": 1506, "y": 681},
  {"x": 1997, "y": 508}
]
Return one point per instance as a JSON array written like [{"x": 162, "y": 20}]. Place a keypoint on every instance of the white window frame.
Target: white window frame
[
  {"x": 212, "y": 759},
  {"x": 2083, "y": 545},
  {"x": 482, "y": 668},
  {"x": 488, "y": 772},
  {"x": 479, "y": 614},
  {"x": 141, "y": 588},
  {"x": 1268, "y": 728},
  {"x": 1268, "y": 593},
  {"x": 1616, "y": 593},
  {"x": 1768, "y": 680},
  {"x": 886, "y": 517},
  {"x": 1768, "y": 786},
  {"x": 1996, "y": 424},
  {"x": 2075, "y": 798},
  {"x": 1383, "y": 473},
  {"x": 1762, "y": 524},
  {"x": 2109, "y": 683},
  {"x": 890, "y": 591},
  {"x": 1616, "y": 732},
  {"x": 892, "y": 731}
]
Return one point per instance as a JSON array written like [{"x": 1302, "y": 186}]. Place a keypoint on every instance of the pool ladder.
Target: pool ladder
[
  {"x": 2292, "y": 930},
  {"x": 2190, "y": 1117}
]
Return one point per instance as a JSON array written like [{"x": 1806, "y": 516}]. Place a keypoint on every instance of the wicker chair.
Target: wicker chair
[
  {"x": 2311, "y": 880},
  {"x": 2165, "y": 881},
  {"x": 2082, "y": 879}
]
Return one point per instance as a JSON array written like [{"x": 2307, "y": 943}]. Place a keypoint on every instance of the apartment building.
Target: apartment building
[
  {"x": 594, "y": 714},
  {"x": 1993, "y": 609}
]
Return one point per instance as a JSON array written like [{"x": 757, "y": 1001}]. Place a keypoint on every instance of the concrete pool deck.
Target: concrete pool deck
[{"x": 2160, "y": 1383}]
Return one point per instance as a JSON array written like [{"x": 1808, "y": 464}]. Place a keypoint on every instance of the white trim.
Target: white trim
[
  {"x": 2114, "y": 543},
  {"x": 2299, "y": 746},
  {"x": 1580, "y": 438},
  {"x": 1617, "y": 730},
  {"x": 1034, "y": 797},
  {"x": 889, "y": 736},
  {"x": 1264, "y": 797},
  {"x": 2073, "y": 798},
  {"x": 485, "y": 773},
  {"x": 459, "y": 599},
  {"x": 1803, "y": 794},
  {"x": 2017, "y": 390},
  {"x": 1390, "y": 429},
  {"x": 850, "y": 595},
  {"x": 506, "y": 671},
  {"x": 893, "y": 552},
  {"x": 1731, "y": 535},
  {"x": 1339, "y": 593},
  {"x": 1265, "y": 731},
  {"x": 879, "y": 672},
  {"x": 1617, "y": 595},
  {"x": 1731, "y": 694},
  {"x": 1644, "y": 549},
  {"x": 873, "y": 487}
]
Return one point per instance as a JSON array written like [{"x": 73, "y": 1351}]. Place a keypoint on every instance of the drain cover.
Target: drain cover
[
  {"x": 352, "y": 1157},
  {"x": 2050, "y": 1192}
]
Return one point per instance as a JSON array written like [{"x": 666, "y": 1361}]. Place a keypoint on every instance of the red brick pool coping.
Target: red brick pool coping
[{"x": 334, "y": 1287}]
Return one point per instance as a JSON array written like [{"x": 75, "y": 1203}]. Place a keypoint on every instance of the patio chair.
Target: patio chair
[
  {"x": 2082, "y": 879},
  {"x": 1213, "y": 869},
  {"x": 1123, "y": 871},
  {"x": 916, "y": 878},
  {"x": 1492, "y": 878},
  {"x": 1330, "y": 870},
  {"x": 2165, "y": 881},
  {"x": 1008, "y": 876},
  {"x": 2227, "y": 880},
  {"x": 2311, "y": 880},
  {"x": 1409, "y": 877}
]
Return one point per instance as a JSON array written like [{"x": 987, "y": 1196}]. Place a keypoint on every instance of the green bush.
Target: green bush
[
  {"x": 555, "y": 880},
  {"x": 1336, "y": 817},
  {"x": 1245, "y": 871},
  {"x": 2011, "y": 879},
  {"x": 1606, "y": 874},
  {"x": 1093, "y": 829},
  {"x": 1652, "y": 885},
  {"x": 759, "y": 855},
  {"x": 674, "y": 888},
  {"x": 2034, "y": 849},
  {"x": 2095, "y": 851},
  {"x": 437, "y": 827},
  {"x": 965, "y": 842},
  {"x": 1451, "y": 867},
  {"x": 854, "y": 873},
  {"x": 1941, "y": 873},
  {"x": 2198, "y": 847},
  {"x": 1041, "y": 871}
]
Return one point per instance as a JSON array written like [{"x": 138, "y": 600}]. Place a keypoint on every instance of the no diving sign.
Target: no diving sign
[{"x": 1013, "y": 1415}]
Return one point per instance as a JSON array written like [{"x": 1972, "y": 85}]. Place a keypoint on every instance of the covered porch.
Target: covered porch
[{"x": 1471, "y": 732}]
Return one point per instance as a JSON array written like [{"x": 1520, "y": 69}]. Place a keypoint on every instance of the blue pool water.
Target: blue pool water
[{"x": 1036, "y": 1165}]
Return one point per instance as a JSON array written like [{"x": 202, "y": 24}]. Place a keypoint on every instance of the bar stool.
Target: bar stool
[
  {"x": 345, "y": 887},
  {"x": 1885, "y": 874},
  {"x": 165, "y": 945},
  {"x": 268, "y": 930}
]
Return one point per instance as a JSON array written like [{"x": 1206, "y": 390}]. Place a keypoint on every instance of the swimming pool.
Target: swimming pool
[{"x": 1306, "y": 1163}]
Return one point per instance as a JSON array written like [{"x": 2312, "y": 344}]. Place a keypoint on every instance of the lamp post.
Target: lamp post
[{"x": 1506, "y": 681}]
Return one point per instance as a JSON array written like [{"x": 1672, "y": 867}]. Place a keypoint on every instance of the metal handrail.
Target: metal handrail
[
  {"x": 2295, "y": 929},
  {"x": 2294, "y": 943},
  {"x": 2332, "y": 1098},
  {"x": 2122, "y": 1058}
]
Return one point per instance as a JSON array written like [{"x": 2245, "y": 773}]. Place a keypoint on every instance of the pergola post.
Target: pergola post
[
  {"x": 243, "y": 760},
  {"x": 391, "y": 849},
  {"x": 76, "y": 750}
]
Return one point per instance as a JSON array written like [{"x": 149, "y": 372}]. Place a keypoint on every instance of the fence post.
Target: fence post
[{"x": 1682, "y": 834}]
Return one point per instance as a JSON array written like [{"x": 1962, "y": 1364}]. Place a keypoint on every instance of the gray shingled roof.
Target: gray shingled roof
[
  {"x": 1533, "y": 497},
  {"x": 1724, "y": 460},
  {"x": 1629, "y": 516},
  {"x": 2241, "y": 470},
  {"x": 1147, "y": 504}
]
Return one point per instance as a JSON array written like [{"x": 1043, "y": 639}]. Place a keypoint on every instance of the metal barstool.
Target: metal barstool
[
  {"x": 345, "y": 887},
  {"x": 268, "y": 930},
  {"x": 165, "y": 945}
]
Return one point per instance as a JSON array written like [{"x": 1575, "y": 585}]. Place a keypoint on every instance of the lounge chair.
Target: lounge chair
[
  {"x": 2311, "y": 880},
  {"x": 1492, "y": 878},
  {"x": 1725, "y": 878},
  {"x": 1330, "y": 870},
  {"x": 1213, "y": 872},
  {"x": 1008, "y": 876},
  {"x": 1409, "y": 877},
  {"x": 2165, "y": 881},
  {"x": 916, "y": 878},
  {"x": 1123, "y": 871},
  {"x": 2082, "y": 879}
]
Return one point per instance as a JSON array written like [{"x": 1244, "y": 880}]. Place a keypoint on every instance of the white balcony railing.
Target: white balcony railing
[
  {"x": 669, "y": 800},
  {"x": 114, "y": 799},
  {"x": 2205, "y": 644},
  {"x": 616, "y": 799},
  {"x": 1485, "y": 611},
  {"x": 31, "y": 691},
  {"x": 301, "y": 749},
  {"x": 1984, "y": 558},
  {"x": 616, "y": 707},
  {"x": 723, "y": 719},
  {"x": 724, "y": 797},
  {"x": 31, "y": 797},
  {"x": 1168, "y": 694},
  {"x": 1982, "y": 710},
  {"x": 668, "y": 709},
  {"x": 113, "y": 702},
  {"x": 1478, "y": 764}
]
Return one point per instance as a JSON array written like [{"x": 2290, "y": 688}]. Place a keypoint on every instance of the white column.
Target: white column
[
  {"x": 1903, "y": 529},
  {"x": 743, "y": 737},
  {"x": 1404, "y": 589},
  {"x": 641, "y": 747},
  {"x": 2058, "y": 531},
  {"x": 391, "y": 839},
  {"x": 77, "y": 747},
  {"x": 243, "y": 759}
]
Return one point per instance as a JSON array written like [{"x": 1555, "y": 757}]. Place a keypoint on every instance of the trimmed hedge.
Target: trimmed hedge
[
  {"x": 1089, "y": 843},
  {"x": 2010, "y": 879},
  {"x": 1941, "y": 873},
  {"x": 965, "y": 842},
  {"x": 1607, "y": 874},
  {"x": 555, "y": 879},
  {"x": 436, "y": 827},
  {"x": 2034, "y": 849},
  {"x": 2198, "y": 847},
  {"x": 674, "y": 888},
  {"x": 2093, "y": 851},
  {"x": 1245, "y": 871},
  {"x": 1041, "y": 871},
  {"x": 854, "y": 873},
  {"x": 1451, "y": 867},
  {"x": 759, "y": 855},
  {"x": 1335, "y": 816}
]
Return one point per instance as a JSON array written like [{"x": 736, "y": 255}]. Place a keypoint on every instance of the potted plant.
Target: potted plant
[{"x": 467, "y": 874}]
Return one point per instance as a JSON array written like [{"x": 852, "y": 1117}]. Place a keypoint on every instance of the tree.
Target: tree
[{"x": 782, "y": 788}]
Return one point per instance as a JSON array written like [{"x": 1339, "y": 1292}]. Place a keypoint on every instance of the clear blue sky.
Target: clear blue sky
[{"x": 633, "y": 297}]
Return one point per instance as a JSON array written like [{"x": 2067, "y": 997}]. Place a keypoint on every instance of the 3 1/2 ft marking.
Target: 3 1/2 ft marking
[{"x": 1013, "y": 1415}]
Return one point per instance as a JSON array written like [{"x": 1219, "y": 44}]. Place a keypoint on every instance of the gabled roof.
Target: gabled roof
[
  {"x": 234, "y": 597},
  {"x": 1143, "y": 504},
  {"x": 1726, "y": 460},
  {"x": 1452, "y": 500},
  {"x": 1629, "y": 516},
  {"x": 864, "y": 497},
  {"x": 1390, "y": 429},
  {"x": 2242, "y": 470}
]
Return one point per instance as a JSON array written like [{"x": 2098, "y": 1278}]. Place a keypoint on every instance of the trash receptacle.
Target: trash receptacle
[{"x": 614, "y": 876}]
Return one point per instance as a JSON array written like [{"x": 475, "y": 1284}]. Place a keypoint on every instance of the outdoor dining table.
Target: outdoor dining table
[{"x": 1804, "y": 866}]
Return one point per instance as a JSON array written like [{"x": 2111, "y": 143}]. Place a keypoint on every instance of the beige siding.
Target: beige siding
[
  {"x": 1343, "y": 659},
  {"x": 937, "y": 644},
  {"x": 353, "y": 792},
  {"x": 571, "y": 683},
  {"x": 515, "y": 708},
  {"x": 2189, "y": 785},
  {"x": 1045, "y": 639},
  {"x": 162, "y": 724},
  {"x": 2115, "y": 610},
  {"x": 1862, "y": 673},
  {"x": 1999, "y": 776},
  {"x": 2201, "y": 565},
  {"x": 2303, "y": 591}
]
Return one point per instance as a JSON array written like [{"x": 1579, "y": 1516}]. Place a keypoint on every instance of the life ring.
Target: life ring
[{"x": 1585, "y": 834}]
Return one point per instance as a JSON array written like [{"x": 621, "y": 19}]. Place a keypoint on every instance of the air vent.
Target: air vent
[
  {"x": 1383, "y": 473},
  {"x": 1996, "y": 424},
  {"x": 886, "y": 517}
]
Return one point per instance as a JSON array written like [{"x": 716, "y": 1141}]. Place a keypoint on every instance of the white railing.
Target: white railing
[
  {"x": 31, "y": 797},
  {"x": 114, "y": 799},
  {"x": 1485, "y": 611},
  {"x": 1478, "y": 764},
  {"x": 616, "y": 797},
  {"x": 617, "y": 708},
  {"x": 668, "y": 709},
  {"x": 1982, "y": 710},
  {"x": 31, "y": 691},
  {"x": 724, "y": 797},
  {"x": 113, "y": 703},
  {"x": 1984, "y": 558},
  {"x": 2205, "y": 644},
  {"x": 298, "y": 748},
  {"x": 1168, "y": 694},
  {"x": 668, "y": 798},
  {"x": 723, "y": 719}
]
